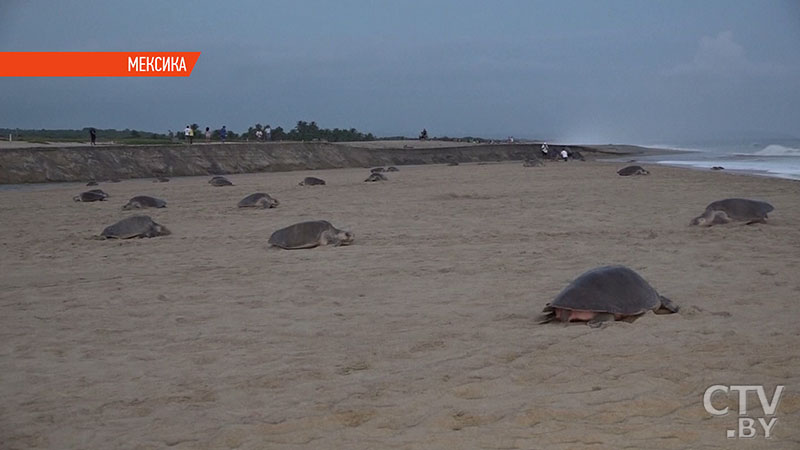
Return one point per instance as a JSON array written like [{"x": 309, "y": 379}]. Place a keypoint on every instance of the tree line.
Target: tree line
[{"x": 303, "y": 131}]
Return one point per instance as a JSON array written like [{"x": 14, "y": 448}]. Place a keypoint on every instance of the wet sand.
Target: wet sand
[{"x": 420, "y": 335}]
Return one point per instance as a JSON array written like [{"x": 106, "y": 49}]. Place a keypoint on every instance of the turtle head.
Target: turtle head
[
  {"x": 667, "y": 306},
  {"x": 161, "y": 230},
  {"x": 346, "y": 237},
  {"x": 709, "y": 218},
  {"x": 704, "y": 219}
]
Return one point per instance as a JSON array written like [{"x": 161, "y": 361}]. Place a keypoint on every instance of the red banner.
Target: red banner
[{"x": 97, "y": 64}]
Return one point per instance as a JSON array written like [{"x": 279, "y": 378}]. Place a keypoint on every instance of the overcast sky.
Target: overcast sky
[{"x": 581, "y": 70}]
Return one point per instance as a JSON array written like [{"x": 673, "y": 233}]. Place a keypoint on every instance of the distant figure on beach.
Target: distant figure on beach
[
  {"x": 268, "y": 133},
  {"x": 223, "y": 133},
  {"x": 208, "y": 135},
  {"x": 545, "y": 149},
  {"x": 423, "y": 135},
  {"x": 188, "y": 133},
  {"x": 93, "y": 135},
  {"x": 564, "y": 155},
  {"x": 259, "y": 135}
]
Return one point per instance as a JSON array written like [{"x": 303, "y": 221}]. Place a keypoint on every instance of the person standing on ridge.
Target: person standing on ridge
[
  {"x": 268, "y": 133},
  {"x": 93, "y": 135},
  {"x": 223, "y": 133},
  {"x": 208, "y": 135},
  {"x": 188, "y": 134}
]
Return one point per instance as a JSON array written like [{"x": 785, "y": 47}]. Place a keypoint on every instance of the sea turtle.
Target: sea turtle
[
  {"x": 144, "y": 201},
  {"x": 532, "y": 163},
  {"x": 377, "y": 170},
  {"x": 375, "y": 176},
  {"x": 94, "y": 195},
  {"x": 606, "y": 293},
  {"x": 92, "y": 183},
  {"x": 258, "y": 200},
  {"x": 312, "y": 181},
  {"x": 733, "y": 209},
  {"x": 392, "y": 169},
  {"x": 632, "y": 170},
  {"x": 134, "y": 226},
  {"x": 219, "y": 181},
  {"x": 99, "y": 191},
  {"x": 310, "y": 235},
  {"x": 717, "y": 168}
]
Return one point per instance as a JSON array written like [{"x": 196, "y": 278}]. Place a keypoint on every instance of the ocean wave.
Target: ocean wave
[
  {"x": 673, "y": 147},
  {"x": 774, "y": 168},
  {"x": 778, "y": 150}
]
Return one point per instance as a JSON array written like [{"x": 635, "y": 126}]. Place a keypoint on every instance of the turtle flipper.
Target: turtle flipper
[
  {"x": 667, "y": 306},
  {"x": 545, "y": 318},
  {"x": 600, "y": 319},
  {"x": 548, "y": 315}
]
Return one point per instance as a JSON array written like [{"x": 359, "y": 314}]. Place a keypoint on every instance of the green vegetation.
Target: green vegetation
[
  {"x": 126, "y": 136},
  {"x": 303, "y": 131},
  {"x": 310, "y": 131}
]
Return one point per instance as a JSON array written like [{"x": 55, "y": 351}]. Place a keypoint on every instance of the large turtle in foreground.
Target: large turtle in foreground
[
  {"x": 134, "y": 227},
  {"x": 632, "y": 170},
  {"x": 733, "y": 209},
  {"x": 606, "y": 293},
  {"x": 312, "y": 181},
  {"x": 258, "y": 200},
  {"x": 219, "y": 181},
  {"x": 144, "y": 201},
  {"x": 94, "y": 195},
  {"x": 310, "y": 235}
]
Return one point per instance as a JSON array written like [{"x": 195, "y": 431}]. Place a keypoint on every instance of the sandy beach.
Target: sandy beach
[{"x": 422, "y": 334}]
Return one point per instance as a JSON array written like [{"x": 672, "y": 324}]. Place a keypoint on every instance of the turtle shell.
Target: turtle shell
[
  {"x": 95, "y": 195},
  {"x": 145, "y": 201},
  {"x": 300, "y": 235},
  {"x": 632, "y": 170},
  {"x": 609, "y": 289},
  {"x": 254, "y": 201},
  {"x": 220, "y": 181},
  {"x": 742, "y": 208},
  {"x": 312, "y": 181},
  {"x": 134, "y": 226}
]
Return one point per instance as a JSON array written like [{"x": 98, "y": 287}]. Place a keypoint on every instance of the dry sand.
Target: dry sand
[{"x": 420, "y": 335}]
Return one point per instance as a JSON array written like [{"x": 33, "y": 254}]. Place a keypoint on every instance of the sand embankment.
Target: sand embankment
[
  {"x": 420, "y": 335},
  {"x": 106, "y": 162}
]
